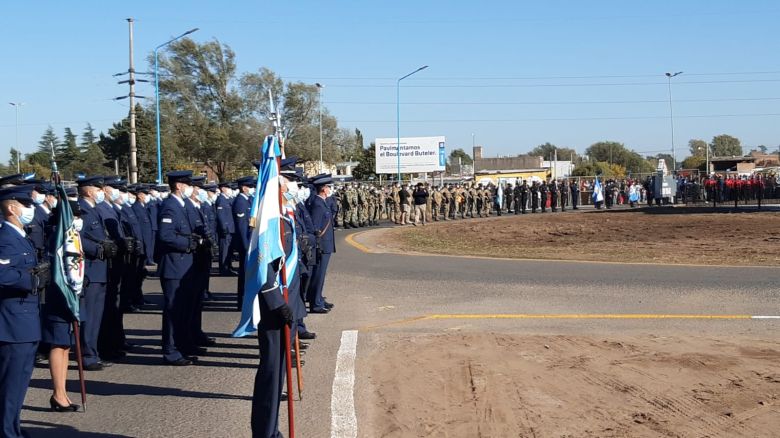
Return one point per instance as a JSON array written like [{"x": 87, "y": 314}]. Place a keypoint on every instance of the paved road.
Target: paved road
[{"x": 378, "y": 293}]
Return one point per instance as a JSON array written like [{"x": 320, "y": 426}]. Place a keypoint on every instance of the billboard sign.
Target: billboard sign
[{"x": 418, "y": 154}]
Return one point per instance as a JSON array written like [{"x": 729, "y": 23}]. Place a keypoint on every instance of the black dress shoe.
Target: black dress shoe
[
  {"x": 197, "y": 351},
  {"x": 56, "y": 407},
  {"x": 180, "y": 362},
  {"x": 283, "y": 397},
  {"x": 303, "y": 345},
  {"x": 329, "y": 305},
  {"x": 114, "y": 355},
  {"x": 97, "y": 366},
  {"x": 307, "y": 335},
  {"x": 321, "y": 310},
  {"x": 106, "y": 363},
  {"x": 207, "y": 342},
  {"x": 127, "y": 346}
]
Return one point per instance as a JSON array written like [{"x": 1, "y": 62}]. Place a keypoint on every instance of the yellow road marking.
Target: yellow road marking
[{"x": 351, "y": 240}]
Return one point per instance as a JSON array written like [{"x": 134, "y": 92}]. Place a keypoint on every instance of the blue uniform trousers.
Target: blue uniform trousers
[
  {"x": 317, "y": 282},
  {"x": 112, "y": 330},
  {"x": 16, "y": 367},
  {"x": 91, "y": 314},
  {"x": 241, "y": 277},
  {"x": 201, "y": 284},
  {"x": 269, "y": 383},
  {"x": 225, "y": 253},
  {"x": 174, "y": 318}
]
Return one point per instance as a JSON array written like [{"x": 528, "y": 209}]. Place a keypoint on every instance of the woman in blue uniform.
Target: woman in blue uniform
[{"x": 58, "y": 333}]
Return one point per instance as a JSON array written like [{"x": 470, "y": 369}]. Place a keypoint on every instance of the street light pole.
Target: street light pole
[
  {"x": 398, "y": 117},
  {"x": 669, "y": 76},
  {"x": 319, "y": 90},
  {"x": 16, "y": 106},
  {"x": 157, "y": 100}
]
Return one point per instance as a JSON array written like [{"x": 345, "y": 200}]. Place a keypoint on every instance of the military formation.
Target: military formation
[
  {"x": 364, "y": 205},
  {"x": 130, "y": 232}
]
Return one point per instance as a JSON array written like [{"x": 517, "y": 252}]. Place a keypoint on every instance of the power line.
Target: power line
[
  {"x": 573, "y": 102},
  {"x": 601, "y": 84},
  {"x": 565, "y": 119},
  {"x": 539, "y": 77}
]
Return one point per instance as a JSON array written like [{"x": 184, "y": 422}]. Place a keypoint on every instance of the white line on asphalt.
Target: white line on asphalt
[
  {"x": 765, "y": 317},
  {"x": 342, "y": 402}
]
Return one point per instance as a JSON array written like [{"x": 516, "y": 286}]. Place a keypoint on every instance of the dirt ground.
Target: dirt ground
[
  {"x": 668, "y": 235},
  {"x": 569, "y": 386}
]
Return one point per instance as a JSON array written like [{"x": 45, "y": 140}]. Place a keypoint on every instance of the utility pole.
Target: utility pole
[
  {"x": 131, "y": 81},
  {"x": 16, "y": 106}
]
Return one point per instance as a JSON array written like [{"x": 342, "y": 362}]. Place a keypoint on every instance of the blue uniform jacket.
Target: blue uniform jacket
[
  {"x": 111, "y": 220},
  {"x": 36, "y": 230},
  {"x": 173, "y": 240},
  {"x": 143, "y": 214},
  {"x": 210, "y": 219},
  {"x": 241, "y": 210},
  {"x": 322, "y": 219},
  {"x": 92, "y": 234},
  {"x": 131, "y": 225},
  {"x": 224, "y": 211},
  {"x": 19, "y": 314}
]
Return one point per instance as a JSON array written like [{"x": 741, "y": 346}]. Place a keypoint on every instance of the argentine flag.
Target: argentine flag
[
  {"x": 598, "y": 195},
  {"x": 265, "y": 244}
]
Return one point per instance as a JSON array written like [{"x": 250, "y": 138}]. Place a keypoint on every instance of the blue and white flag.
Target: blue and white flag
[
  {"x": 598, "y": 195},
  {"x": 500, "y": 195},
  {"x": 265, "y": 245}
]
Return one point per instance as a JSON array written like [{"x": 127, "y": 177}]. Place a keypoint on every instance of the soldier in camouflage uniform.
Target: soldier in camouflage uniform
[
  {"x": 436, "y": 199},
  {"x": 395, "y": 204},
  {"x": 564, "y": 194},
  {"x": 362, "y": 202},
  {"x": 446, "y": 199}
]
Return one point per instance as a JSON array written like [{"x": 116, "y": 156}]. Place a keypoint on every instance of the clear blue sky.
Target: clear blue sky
[{"x": 515, "y": 74}]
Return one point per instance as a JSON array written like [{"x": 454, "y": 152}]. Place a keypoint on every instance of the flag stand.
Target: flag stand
[{"x": 80, "y": 362}]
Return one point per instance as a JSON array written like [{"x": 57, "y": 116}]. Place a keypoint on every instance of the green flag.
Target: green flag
[{"x": 67, "y": 257}]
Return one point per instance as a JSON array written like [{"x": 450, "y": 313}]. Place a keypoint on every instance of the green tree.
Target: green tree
[
  {"x": 762, "y": 148},
  {"x": 367, "y": 166},
  {"x": 725, "y": 146},
  {"x": 88, "y": 137},
  {"x": 600, "y": 168},
  {"x": 116, "y": 145},
  {"x": 548, "y": 150},
  {"x": 460, "y": 153},
  {"x": 48, "y": 139},
  {"x": 698, "y": 148},
  {"x": 616, "y": 153},
  {"x": 68, "y": 151},
  {"x": 694, "y": 162}
]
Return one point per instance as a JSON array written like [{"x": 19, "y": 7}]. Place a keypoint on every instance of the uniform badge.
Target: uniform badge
[
  {"x": 167, "y": 220},
  {"x": 5, "y": 261}
]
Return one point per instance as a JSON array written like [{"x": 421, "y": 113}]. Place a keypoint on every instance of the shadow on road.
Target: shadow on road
[
  {"x": 97, "y": 387},
  {"x": 58, "y": 431}
]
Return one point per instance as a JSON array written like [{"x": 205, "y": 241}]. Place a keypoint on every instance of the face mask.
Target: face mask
[
  {"x": 306, "y": 193},
  {"x": 78, "y": 224},
  {"x": 54, "y": 203},
  {"x": 114, "y": 195},
  {"x": 251, "y": 191},
  {"x": 155, "y": 194},
  {"x": 164, "y": 195},
  {"x": 202, "y": 196},
  {"x": 130, "y": 200},
  {"x": 28, "y": 213},
  {"x": 188, "y": 191},
  {"x": 100, "y": 196},
  {"x": 39, "y": 198},
  {"x": 301, "y": 195}
]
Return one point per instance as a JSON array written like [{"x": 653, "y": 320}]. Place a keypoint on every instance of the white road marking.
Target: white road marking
[
  {"x": 342, "y": 402},
  {"x": 765, "y": 317}
]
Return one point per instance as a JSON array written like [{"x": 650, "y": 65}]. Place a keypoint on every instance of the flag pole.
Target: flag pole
[
  {"x": 298, "y": 367},
  {"x": 283, "y": 275},
  {"x": 55, "y": 177}
]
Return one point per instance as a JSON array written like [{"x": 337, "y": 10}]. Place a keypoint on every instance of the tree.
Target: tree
[
  {"x": 367, "y": 166},
  {"x": 600, "y": 168},
  {"x": 616, "y": 153},
  {"x": 88, "y": 137},
  {"x": 547, "y": 151},
  {"x": 694, "y": 162},
  {"x": 725, "y": 146},
  {"x": 116, "y": 145},
  {"x": 69, "y": 151},
  {"x": 460, "y": 153},
  {"x": 762, "y": 148},
  {"x": 48, "y": 139},
  {"x": 697, "y": 147}
]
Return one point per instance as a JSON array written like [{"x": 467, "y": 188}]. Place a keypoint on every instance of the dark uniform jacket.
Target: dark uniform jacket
[
  {"x": 93, "y": 234},
  {"x": 173, "y": 240},
  {"x": 322, "y": 219},
  {"x": 19, "y": 314}
]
